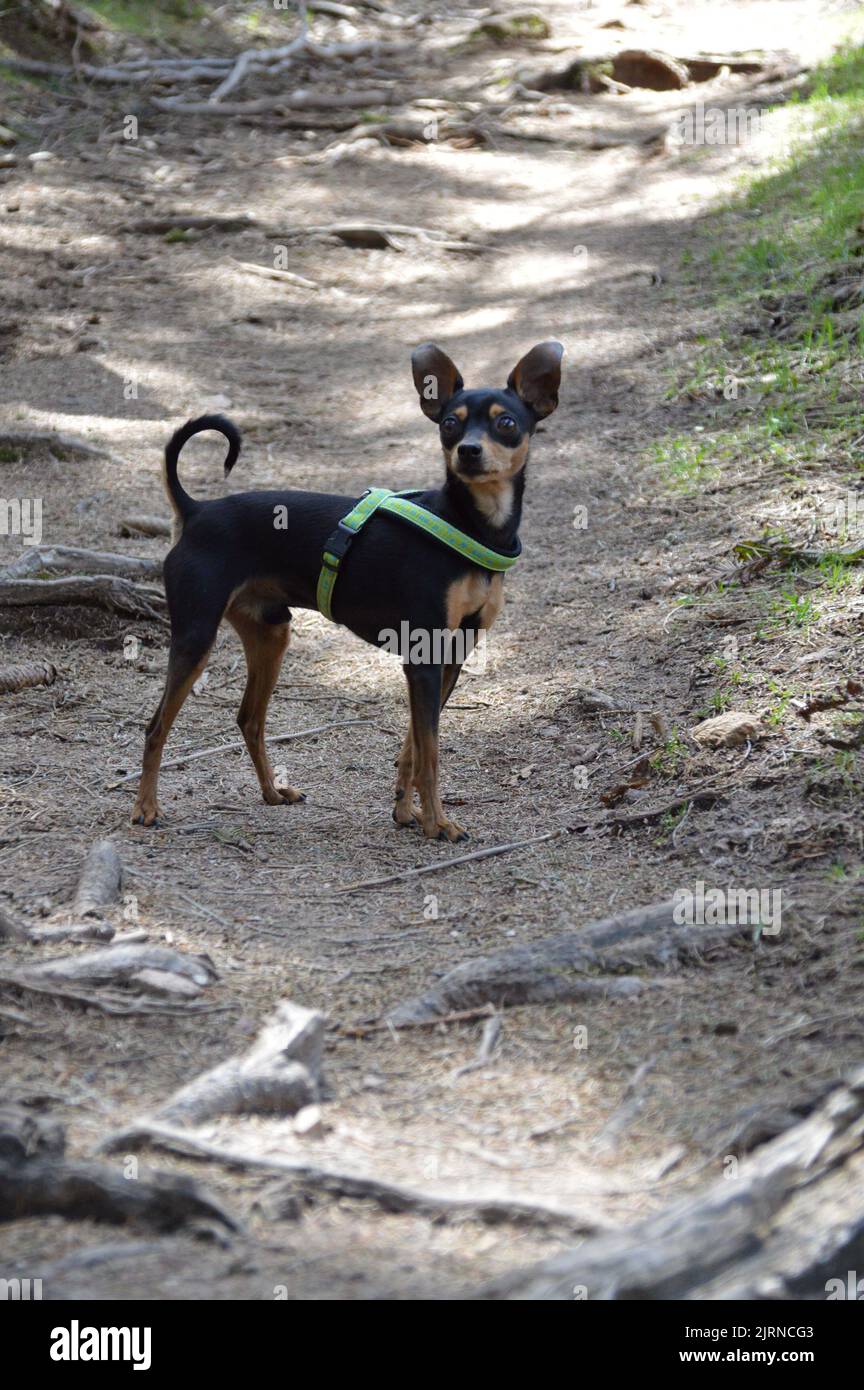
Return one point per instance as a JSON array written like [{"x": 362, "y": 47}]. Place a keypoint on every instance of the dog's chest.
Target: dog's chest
[{"x": 475, "y": 593}]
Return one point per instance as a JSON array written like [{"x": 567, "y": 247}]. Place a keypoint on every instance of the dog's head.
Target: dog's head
[{"x": 485, "y": 433}]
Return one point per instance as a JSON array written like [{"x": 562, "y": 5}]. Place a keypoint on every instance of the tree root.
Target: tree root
[
  {"x": 278, "y": 1075},
  {"x": 788, "y": 1226},
  {"x": 37, "y": 1180},
  {"x": 42, "y": 562},
  {"x": 100, "y": 880},
  {"x": 92, "y": 590},
  {"x": 587, "y": 964},
  {"x": 311, "y": 1177}
]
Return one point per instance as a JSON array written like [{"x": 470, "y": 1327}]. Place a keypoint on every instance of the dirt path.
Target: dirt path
[{"x": 584, "y": 245}]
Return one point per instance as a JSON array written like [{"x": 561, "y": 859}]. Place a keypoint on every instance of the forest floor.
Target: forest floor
[{"x": 600, "y": 236}]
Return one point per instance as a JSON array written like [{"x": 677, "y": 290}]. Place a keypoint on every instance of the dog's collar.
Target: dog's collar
[{"x": 399, "y": 504}]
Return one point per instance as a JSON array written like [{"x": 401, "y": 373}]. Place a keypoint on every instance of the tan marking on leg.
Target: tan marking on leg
[
  {"x": 177, "y": 687},
  {"x": 265, "y": 645},
  {"x": 436, "y": 825},
  {"x": 494, "y": 602},
  {"x": 403, "y": 805},
  {"x": 404, "y": 812},
  {"x": 424, "y": 721}
]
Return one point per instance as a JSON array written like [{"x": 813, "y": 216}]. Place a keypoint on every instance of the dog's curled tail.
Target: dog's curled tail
[{"x": 183, "y": 504}]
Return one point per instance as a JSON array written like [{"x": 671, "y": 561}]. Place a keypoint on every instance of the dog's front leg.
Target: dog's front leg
[
  {"x": 403, "y": 807},
  {"x": 425, "y": 694}
]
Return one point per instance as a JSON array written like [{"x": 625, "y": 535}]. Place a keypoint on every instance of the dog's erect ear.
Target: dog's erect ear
[
  {"x": 436, "y": 379},
  {"x": 537, "y": 376}
]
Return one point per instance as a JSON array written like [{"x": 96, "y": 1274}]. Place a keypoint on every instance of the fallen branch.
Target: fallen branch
[
  {"x": 632, "y": 1101},
  {"x": 15, "y": 1018},
  {"x": 702, "y": 794},
  {"x": 268, "y": 272},
  {"x": 13, "y": 930},
  {"x": 116, "y": 75},
  {"x": 278, "y": 1075},
  {"x": 491, "y": 1210},
  {"x": 26, "y": 675},
  {"x": 263, "y": 57},
  {"x": 304, "y": 99},
  {"x": 449, "y": 863},
  {"x": 122, "y": 965},
  {"x": 392, "y": 1197},
  {"x": 591, "y": 963},
  {"x": 146, "y": 969},
  {"x": 93, "y": 590},
  {"x": 93, "y": 930},
  {"x": 100, "y": 880},
  {"x": 98, "y": 888},
  {"x": 238, "y": 743},
  {"x": 107, "y": 1001},
  {"x": 41, "y": 562}
]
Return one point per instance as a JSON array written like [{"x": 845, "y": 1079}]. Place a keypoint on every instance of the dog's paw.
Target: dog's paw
[
  {"x": 146, "y": 813},
  {"x": 446, "y": 830},
  {"x": 404, "y": 816},
  {"x": 283, "y": 796}
]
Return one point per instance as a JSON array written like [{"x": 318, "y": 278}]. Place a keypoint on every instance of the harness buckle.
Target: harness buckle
[{"x": 337, "y": 545}]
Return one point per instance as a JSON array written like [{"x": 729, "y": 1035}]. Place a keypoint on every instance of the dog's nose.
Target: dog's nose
[{"x": 470, "y": 453}]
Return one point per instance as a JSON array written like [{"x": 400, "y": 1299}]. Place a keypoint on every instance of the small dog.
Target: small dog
[{"x": 233, "y": 561}]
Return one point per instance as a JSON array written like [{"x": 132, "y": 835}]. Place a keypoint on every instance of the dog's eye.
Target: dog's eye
[
  {"x": 506, "y": 423},
  {"x": 449, "y": 424}
]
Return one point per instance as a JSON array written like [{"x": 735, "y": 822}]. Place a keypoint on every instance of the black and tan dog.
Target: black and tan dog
[{"x": 232, "y": 561}]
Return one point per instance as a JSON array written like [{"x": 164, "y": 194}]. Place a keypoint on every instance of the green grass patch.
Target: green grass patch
[
  {"x": 777, "y": 381},
  {"x": 793, "y": 228},
  {"x": 156, "y": 19}
]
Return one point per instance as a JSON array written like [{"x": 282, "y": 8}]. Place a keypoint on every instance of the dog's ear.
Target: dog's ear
[
  {"x": 537, "y": 376},
  {"x": 436, "y": 379}
]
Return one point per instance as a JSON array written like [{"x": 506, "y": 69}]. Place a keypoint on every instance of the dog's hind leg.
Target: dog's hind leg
[
  {"x": 196, "y": 601},
  {"x": 265, "y": 645},
  {"x": 186, "y": 661}
]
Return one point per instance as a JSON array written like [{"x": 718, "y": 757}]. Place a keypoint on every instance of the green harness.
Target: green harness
[{"x": 399, "y": 504}]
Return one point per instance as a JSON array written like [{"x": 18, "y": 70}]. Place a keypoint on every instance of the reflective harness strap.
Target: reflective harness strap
[{"x": 398, "y": 504}]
